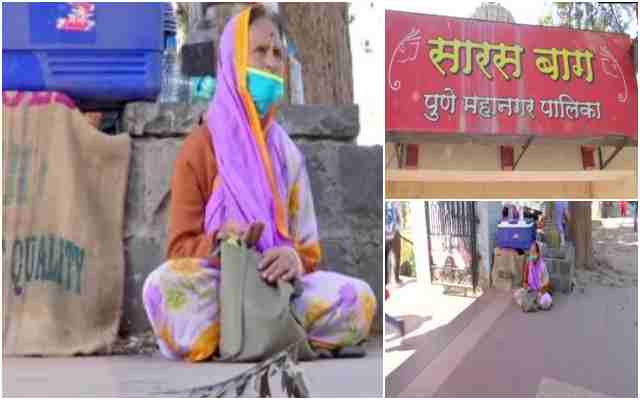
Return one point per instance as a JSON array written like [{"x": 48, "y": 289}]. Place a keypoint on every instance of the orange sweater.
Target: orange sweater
[
  {"x": 192, "y": 184},
  {"x": 191, "y": 187}
]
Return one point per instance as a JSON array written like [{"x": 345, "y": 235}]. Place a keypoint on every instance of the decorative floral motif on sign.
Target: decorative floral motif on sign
[
  {"x": 406, "y": 51},
  {"x": 611, "y": 67}
]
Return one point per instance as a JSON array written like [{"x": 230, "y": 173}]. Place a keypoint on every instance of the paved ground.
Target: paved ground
[
  {"x": 585, "y": 346},
  {"x": 144, "y": 375}
]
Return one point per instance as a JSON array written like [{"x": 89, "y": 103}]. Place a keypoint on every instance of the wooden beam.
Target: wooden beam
[
  {"x": 524, "y": 150},
  {"x": 603, "y": 164},
  {"x": 424, "y": 175}
]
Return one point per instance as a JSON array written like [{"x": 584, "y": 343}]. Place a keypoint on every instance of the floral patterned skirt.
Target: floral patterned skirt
[{"x": 181, "y": 300}]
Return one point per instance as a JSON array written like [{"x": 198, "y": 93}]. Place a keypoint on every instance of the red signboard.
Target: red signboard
[{"x": 463, "y": 76}]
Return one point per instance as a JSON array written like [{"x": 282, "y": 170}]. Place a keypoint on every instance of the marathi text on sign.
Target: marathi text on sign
[
  {"x": 490, "y": 107},
  {"x": 549, "y": 66},
  {"x": 503, "y": 55}
]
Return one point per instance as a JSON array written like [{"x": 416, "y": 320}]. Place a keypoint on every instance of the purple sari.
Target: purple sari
[{"x": 261, "y": 177}]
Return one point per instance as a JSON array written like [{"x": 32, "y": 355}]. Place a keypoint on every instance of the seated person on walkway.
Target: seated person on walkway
[
  {"x": 239, "y": 168},
  {"x": 535, "y": 278}
]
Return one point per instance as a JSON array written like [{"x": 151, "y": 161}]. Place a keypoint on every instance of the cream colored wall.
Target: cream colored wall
[
  {"x": 488, "y": 190},
  {"x": 626, "y": 159},
  {"x": 540, "y": 157}
]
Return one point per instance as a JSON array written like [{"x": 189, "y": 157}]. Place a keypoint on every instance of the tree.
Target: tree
[
  {"x": 320, "y": 32},
  {"x": 580, "y": 228},
  {"x": 604, "y": 17}
]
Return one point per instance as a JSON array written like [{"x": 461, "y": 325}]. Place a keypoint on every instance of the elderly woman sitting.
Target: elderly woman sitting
[
  {"x": 238, "y": 169},
  {"x": 535, "y": 280}
]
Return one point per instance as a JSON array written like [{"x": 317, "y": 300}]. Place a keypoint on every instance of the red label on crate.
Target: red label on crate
[
  {"x": 80, "y": 18},
  {"x": 63, "y": 23}
]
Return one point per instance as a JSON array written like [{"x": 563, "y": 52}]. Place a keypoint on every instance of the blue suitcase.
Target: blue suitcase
[{"x": 515, "y": 236}]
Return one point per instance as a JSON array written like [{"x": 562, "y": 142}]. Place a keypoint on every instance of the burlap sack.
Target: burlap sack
[
  {"x": 506, "y": 273},
  {"x": 64, "y": 187}
]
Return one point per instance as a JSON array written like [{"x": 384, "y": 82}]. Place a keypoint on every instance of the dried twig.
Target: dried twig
[{"x": 285, "y": 362}]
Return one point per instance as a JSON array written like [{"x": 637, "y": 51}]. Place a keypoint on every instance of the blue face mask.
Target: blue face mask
[
  {"x": 265, "y": 88},
  {"x": 532, "y": 258}
]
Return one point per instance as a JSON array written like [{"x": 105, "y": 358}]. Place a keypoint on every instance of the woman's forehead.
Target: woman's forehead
[{"x": 263, "y": 29}]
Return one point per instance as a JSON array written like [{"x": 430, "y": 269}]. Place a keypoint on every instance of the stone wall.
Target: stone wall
[
  {"x": 561, "y": 265},
  {"x": 346, "y": 181},
  {"x": 560, "y": 261}
]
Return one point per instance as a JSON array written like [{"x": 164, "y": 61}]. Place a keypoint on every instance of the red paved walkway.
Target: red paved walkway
[{"x": 587, "y": 345}]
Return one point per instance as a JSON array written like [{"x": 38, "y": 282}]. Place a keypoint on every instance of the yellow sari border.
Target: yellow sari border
[
  {"x": 310, "y": 254},
  {"x": 241, "y": 65}
]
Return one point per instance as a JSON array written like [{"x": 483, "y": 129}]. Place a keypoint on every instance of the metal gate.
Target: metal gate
[{"x": 451, "y": 233}]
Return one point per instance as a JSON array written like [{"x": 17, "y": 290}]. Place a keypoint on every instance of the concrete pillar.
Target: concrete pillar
[
  {"x": 420, "y": 242},
  {"x": 551, "y": 233},
  {"x": 483, "y": 235},
  {"x": 488, "y": 214}
]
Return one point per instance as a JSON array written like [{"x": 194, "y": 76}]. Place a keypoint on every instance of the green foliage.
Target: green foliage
[{"x": 604, "y": 17}]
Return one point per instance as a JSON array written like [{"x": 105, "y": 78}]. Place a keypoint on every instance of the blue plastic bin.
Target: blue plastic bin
[
  {"x": 515, "y": 236},
  {"x": 96, "y": 52}
]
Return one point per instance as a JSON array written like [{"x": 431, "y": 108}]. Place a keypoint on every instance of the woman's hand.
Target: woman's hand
[{"x": 280, "y": 263}]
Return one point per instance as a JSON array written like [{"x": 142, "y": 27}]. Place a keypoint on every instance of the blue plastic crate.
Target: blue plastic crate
[
  {"x": 515, "y": 236},
  {"x": 96, "y": 52}
]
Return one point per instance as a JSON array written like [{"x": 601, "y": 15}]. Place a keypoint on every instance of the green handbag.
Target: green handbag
[{"x": 256, "y": 318}]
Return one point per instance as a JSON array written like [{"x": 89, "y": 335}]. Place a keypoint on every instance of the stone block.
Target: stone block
[
  {"x": 149, "y": 187},
  {"x": 346, "y": 181},
  {"x": 311, "y": 122},
  {"x": 571, "y": 253},
  {"x": 161, "y": 120},
  {"x": 552, "y": 238},
  {"x": 561, "y": 283},
  {"x": 563, "y": 267},
  {"x": 551, "y": 265},
  {"x": 556, "y": 252},
  {"x": 142, "y": 256},
  {"x": 560, "y": 263},
  {"x": 146, "y": 216},
  {"x": 320, "y": 121}
]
